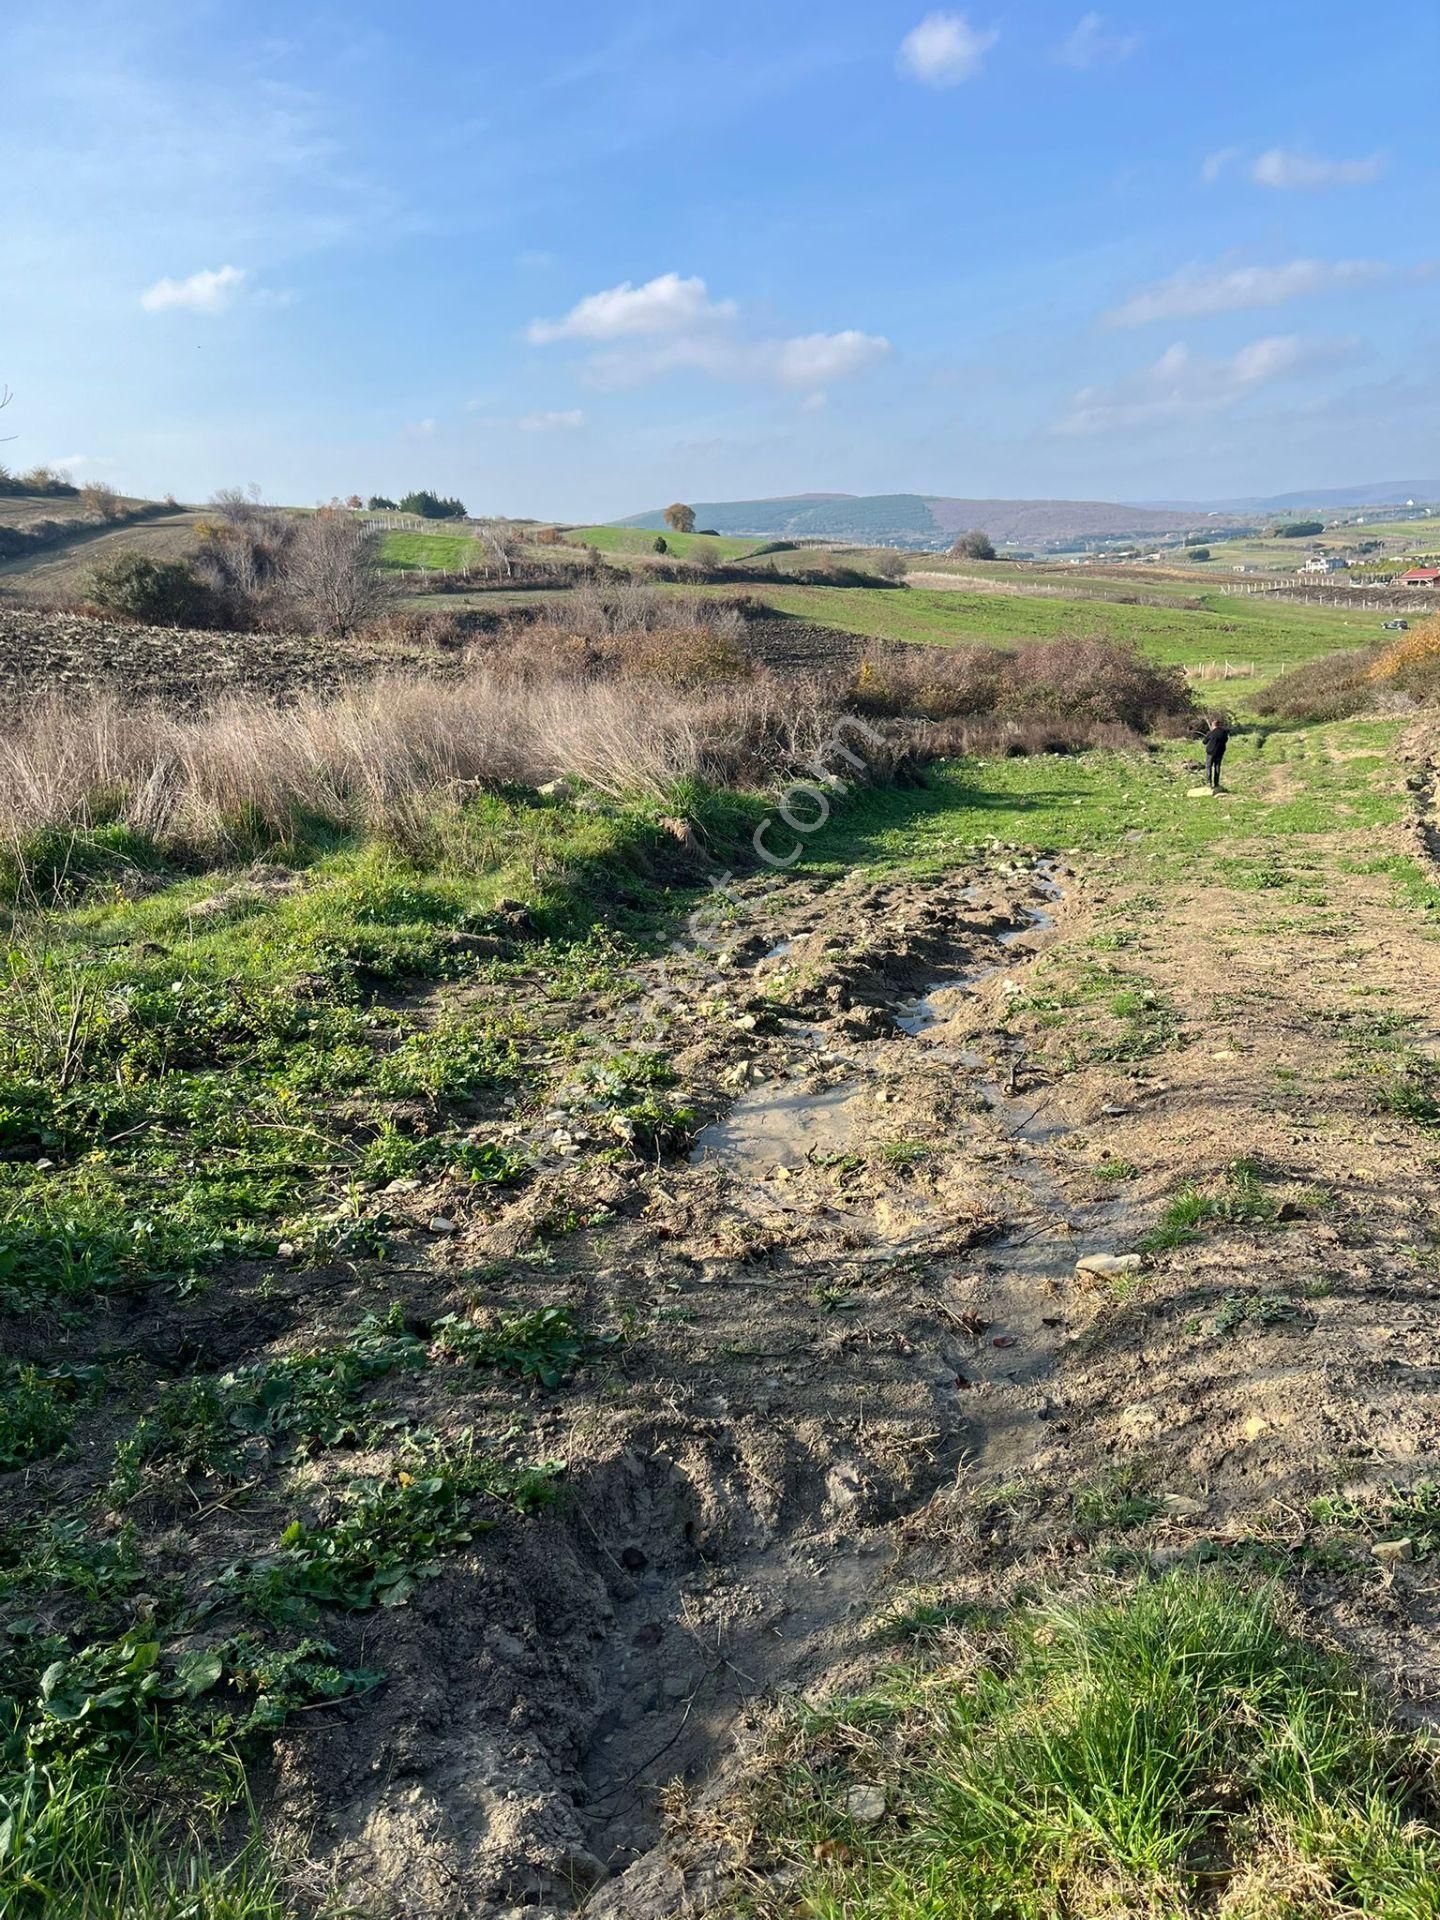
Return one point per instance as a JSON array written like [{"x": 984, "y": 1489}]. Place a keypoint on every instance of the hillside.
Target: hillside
[{"x": 927, "y": 520}]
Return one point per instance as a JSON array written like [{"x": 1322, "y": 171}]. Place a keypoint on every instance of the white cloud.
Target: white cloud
[
  {"x": 420, "y": 429},
  {"x": 73, "y": 463},
  {"x": 1289, "y": 169},
  {"x": 815, "y": 402},
  {"x": 1200, "y": 290},
  {"x": 945, "y": 49},
  {"x": 570, "y": 420},
  {"x": 1214, "y": 164},
  {"x": 666, "y": 304},
  {"x": 671, "y": 325},
  {"x": 1182, "y": 383},
  {"x": 1093, "y": 44},
  {"x": 211, "y": 290}
]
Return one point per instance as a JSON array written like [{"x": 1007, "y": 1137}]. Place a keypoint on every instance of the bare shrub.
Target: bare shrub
[
  {"x": 688, "y": 656},
  {"x": 888, "y": 566},
  {"x": 628, "y": 606},
  {"x": 330, "y": 582},
  {"x": 242, "y": 552},
  {"x": 932, "y": 682},
  {"x": 1090, "y": 680},
  {"x": 1331, "y": 688},
  {"x": 100, "y": 501},
  {"x": 1094, "y": 680}
]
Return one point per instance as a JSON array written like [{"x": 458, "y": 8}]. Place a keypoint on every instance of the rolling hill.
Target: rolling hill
[{"x": 928, "y": 520}]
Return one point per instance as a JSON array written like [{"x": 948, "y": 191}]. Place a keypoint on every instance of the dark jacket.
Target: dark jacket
[{"x": 1216, "y": 741}]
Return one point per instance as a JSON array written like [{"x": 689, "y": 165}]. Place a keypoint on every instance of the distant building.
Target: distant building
[
  {"x": 1420, "y": 577},
  {"x": 1325, "y": 563}
]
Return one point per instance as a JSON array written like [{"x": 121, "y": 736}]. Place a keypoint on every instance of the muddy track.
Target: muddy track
[{"x": 856, "y": 1292}]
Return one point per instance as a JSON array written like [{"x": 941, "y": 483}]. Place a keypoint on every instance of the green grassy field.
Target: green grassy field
[
  {"x": 431, "y": 552},
  {"x": 1225, "y": 627},
  {"x": 640, "y": 540}
]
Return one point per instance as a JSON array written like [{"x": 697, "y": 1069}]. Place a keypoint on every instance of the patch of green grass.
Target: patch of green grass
[
  {"x": 1115, "y": 1167},
  {"x": 429, "y": 552},
  {"x": 1242, "y": 1199},
  {"x": 1115, "y": 1502},
  {"x": 641, "y": 540},
  {"x": 1272, "y": 634},
  {"x": 1116, "y": 1755},
  {"x": 900, "y": 1156}
]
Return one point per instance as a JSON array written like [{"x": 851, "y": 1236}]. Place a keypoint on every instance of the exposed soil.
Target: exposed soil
[
  {"x": 859, "y": 1354},
  {"x": 58, "y": 653},
  {"x": 865, "y": 1328}
]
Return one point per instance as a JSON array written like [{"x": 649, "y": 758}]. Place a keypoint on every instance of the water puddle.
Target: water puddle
[
  {"x": 780, "y": 1127},
  {"x": 943, "y": 998}
]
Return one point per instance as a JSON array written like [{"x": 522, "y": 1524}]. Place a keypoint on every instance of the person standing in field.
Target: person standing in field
[{"x": 1217, "y": 738}]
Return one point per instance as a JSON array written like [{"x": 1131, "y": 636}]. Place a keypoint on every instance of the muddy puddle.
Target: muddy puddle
[{"x": 781, "y": 1127}]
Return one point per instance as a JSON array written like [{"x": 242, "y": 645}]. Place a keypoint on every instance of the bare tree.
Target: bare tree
[
  {"x": 5, "y": 398},
  {"x": 500, "y": 543},
  {"x": 331, "y": 583}
]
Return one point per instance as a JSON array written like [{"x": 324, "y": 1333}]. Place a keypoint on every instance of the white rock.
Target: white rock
[
  {"x": 1109, "y": 1263},
  {"x": 1390, "y": 1551},
  {"x": 441, "y": 1225},
  {"x": 865, "y": 1805},
  {"x": 1179, "y": 1506},
  {"x": 285, "y": 1250}
]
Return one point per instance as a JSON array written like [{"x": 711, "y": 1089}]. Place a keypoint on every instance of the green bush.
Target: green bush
[{"x": 161, "y": 593}]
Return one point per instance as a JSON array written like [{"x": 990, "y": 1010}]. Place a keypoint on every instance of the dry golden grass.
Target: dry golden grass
[{"x": 381, "y": 753}]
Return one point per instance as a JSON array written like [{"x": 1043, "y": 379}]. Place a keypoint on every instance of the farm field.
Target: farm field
[
  {"x": 1234, "y": 627},
  {"x": 429, "y": 552},
  {"x": 59, "y": 572},
  {"x": 641, "y": 540}
]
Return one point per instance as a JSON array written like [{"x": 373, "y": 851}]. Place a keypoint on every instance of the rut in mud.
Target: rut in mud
[{"x": 855, "y": 1293}]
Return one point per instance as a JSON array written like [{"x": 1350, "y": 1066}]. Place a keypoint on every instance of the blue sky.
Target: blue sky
[{"x": 582, "y": 259}]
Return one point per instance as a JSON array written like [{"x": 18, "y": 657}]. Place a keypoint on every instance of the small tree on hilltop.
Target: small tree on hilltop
[
  {"x": 974, "y": 545},
  {"x": 679, "y": 518},
  {"x": 662, "y": 545}
]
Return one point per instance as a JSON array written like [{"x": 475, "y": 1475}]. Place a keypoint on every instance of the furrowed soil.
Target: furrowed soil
[{"x": 1046, "y": 1185}]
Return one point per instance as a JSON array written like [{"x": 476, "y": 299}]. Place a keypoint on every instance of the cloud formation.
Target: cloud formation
[
  {"x": 671, "y": 325},
  {"x": 1288, "y": 169},
  {"x": 666, "y": 304},
  {"x": 566, "y": 420},
  {"x": 945, "y": 50},
  {"x": 1195, "y": 291},
  {"x": 211, "y": 290},
  {"x": 1092, "y": 43},
  {"x": 1182, "y": 384}
]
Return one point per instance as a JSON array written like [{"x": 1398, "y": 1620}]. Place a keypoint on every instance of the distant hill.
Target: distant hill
[
  {"x": 1378, "y": 493},
  {"x": 927, "y": 519}
]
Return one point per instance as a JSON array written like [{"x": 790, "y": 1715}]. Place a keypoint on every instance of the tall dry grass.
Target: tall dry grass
[{"x": 380, "y": 753}]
